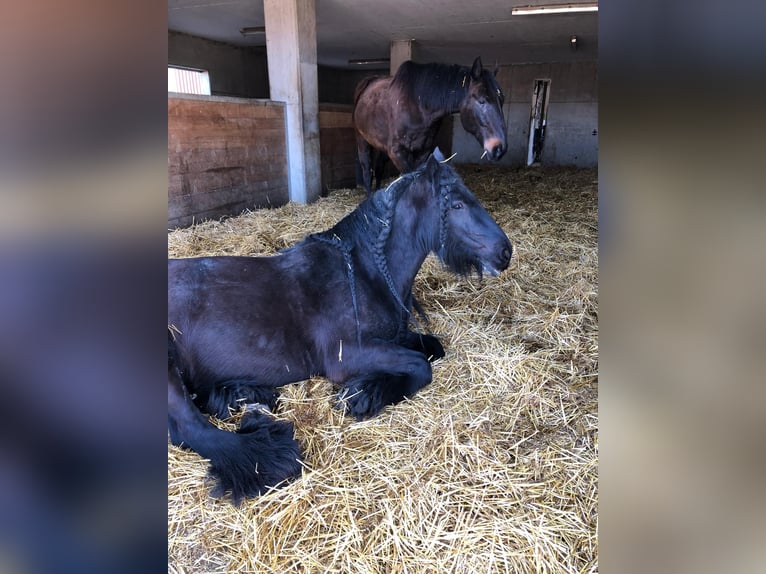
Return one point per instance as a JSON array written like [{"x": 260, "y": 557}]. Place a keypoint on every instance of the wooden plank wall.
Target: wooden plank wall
[
  {"x": 337, "y": 147},
  {"x": 224, "y": 155}
]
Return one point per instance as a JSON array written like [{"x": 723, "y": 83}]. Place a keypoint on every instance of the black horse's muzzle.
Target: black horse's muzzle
[{"x": 499, "y": 259}]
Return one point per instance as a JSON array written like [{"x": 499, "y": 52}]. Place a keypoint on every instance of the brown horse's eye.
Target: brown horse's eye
[{"x": 457, "y": 205}]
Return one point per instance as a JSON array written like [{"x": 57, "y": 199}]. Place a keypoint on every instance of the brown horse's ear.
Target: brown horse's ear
[
  {"x": 476, "y": 69},
  {"x": 438, "y": 154}
]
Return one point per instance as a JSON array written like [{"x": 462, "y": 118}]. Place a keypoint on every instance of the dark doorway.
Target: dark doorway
[{"x": 538, "y": 121}]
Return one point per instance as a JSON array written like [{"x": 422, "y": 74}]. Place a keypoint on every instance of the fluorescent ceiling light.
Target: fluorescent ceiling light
[
  {"x": 252, "y": 30},
  {"x": 555, "y": 9},
  {"x": 370, "y": 61}
]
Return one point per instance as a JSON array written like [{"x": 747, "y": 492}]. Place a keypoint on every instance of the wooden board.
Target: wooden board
[
  {"x": 337, "y": 147},
  {"x": 224, "y": 155}
]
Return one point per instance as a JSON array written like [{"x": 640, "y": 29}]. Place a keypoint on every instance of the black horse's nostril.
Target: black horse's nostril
[
  {"x": 505, "y": 255},
  {"x": 498, "y": 151}
]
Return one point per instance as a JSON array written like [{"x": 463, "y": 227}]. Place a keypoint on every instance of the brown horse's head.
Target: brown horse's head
[{"x": 481, "y": 111}]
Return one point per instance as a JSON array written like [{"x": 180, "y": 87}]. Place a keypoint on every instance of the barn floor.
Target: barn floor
[{"x": 491, "y": 468}]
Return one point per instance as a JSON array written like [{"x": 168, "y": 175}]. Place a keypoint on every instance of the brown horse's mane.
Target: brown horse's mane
[{"x": 435, "y": 86}]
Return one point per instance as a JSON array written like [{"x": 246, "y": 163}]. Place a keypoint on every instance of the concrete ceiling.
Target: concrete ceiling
[{"x": 449, "y": 31}]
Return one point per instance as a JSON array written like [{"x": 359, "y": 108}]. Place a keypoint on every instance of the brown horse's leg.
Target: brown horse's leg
[
  {"x": 381, "y": 158},
  {"x": 364, "y": 151},
  {"x": 402, "y": 159}
]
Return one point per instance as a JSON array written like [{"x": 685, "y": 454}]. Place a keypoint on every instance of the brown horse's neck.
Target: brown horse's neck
[{"x": 450, "y": 104}]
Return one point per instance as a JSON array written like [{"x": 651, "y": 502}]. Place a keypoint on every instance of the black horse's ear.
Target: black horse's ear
[
  {"x": 432, "y": 165},
  {"x": 476, "y": 69},
  {"x": 438, "y": 154}
]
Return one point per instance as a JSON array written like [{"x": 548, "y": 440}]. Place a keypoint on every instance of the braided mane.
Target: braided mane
[{"x": 369, "y": 226}]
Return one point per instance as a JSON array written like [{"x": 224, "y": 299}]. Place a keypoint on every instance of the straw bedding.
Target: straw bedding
[{"x": 490, "y": 468}]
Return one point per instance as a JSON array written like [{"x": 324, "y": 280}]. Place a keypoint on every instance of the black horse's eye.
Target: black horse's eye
[{"x": 457, "y": 204}]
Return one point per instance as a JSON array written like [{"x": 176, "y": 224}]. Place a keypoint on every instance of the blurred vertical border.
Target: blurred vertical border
[
  {"x": 83, "y": 188},
  {"x": 683, "y": 261}
]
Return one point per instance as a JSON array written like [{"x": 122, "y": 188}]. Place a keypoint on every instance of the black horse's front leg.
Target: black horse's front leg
[{"x": 382, "y": 374}]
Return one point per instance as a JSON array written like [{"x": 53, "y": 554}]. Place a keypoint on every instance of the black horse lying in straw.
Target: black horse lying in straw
[{"x": 336, "y": 305}]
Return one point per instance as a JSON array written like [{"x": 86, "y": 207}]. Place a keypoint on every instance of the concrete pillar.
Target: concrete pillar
[
  {"x": 401, "y": 51},
  {"x": 291, "y": 50}
]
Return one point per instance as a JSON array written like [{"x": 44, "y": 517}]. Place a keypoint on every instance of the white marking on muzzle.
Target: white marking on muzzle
[{"x": 491, "y": 144}]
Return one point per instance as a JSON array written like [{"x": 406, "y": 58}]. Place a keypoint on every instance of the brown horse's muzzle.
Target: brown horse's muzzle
[{"x": 495, "y": 148}]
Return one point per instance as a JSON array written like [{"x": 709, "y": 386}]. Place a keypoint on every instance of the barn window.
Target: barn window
[{"x": 188, "y": 80}]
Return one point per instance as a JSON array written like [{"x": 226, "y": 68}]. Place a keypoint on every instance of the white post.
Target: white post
[
  {"x": 291, "y": 53},
  {"x": 401, "y": 51}
]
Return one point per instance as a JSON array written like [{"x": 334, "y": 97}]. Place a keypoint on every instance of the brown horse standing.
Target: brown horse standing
[{"x": 401, "y": 114}]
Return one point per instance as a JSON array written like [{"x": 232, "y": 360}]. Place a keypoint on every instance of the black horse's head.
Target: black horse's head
[
  {"x": 481, "y": 111},
  {"x": 465, "y": 237}
]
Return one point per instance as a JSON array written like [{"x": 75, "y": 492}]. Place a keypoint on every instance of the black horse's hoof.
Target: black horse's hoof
[
  {"x": 257, "y": 408},
  {"x": 432, "y": 348},
  {"x": 356, "y": 402},
  {"x": 232, "y": 396},
  {"x": 365, "y": 396}
]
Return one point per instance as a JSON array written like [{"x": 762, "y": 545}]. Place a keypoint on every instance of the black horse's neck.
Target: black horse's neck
[
  {"x": 436, "y": 87},
  {"x": 387, "y": 236},
  {"x": 402, "y": 246}
]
